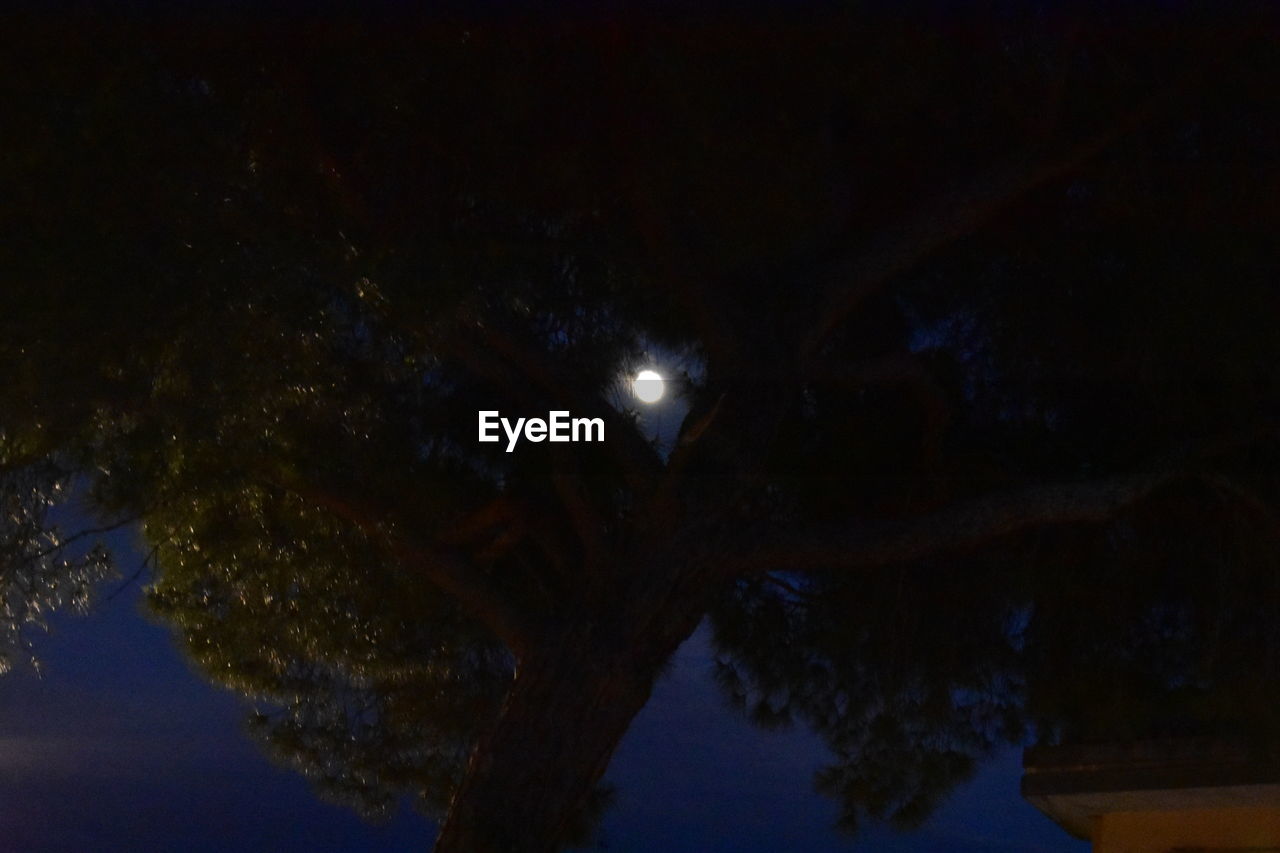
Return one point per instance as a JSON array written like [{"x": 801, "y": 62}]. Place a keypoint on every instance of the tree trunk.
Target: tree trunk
[{"x": 573, "y": 698}]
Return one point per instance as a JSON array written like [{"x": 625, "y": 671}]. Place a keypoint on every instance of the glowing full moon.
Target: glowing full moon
[{"x": 647, "y": 386}]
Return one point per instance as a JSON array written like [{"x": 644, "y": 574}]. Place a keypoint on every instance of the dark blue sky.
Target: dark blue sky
[{"x": 122, "y": 747}]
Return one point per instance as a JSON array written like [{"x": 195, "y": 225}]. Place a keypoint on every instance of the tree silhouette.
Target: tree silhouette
[{"x": 977, "y": 317}]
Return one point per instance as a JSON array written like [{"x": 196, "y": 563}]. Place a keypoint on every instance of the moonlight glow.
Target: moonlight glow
[{"x": 647, "y": 386}]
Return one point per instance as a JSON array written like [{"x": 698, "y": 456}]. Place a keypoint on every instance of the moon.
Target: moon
[{"x": 648, "y": 386}]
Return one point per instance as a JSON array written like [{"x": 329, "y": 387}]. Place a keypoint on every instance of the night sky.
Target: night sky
[{"x": 122, "y": 747}]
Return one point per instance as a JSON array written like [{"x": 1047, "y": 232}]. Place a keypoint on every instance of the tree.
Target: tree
[
  {"x": 41, "y": 569},
  {"x": 940, "y": 284}
]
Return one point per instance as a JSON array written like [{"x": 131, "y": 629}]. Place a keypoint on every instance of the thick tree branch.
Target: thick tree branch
[
  {"x": 1245, "y": 498},
  {"x": 446, "y": 567},
  {"x": 495, "y": 529},
  {"x": 696, "y": 424},
  {"x": 947, "y": 218},
  {"x": 903, "y": 370},
  {"x": 981, "y": 520},
  {"x": 583, "y": 515},
  {"x": 955, "y": 528},
  {"x": 479, "y": 522}
]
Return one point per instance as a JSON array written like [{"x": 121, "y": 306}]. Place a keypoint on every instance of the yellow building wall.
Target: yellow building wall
[{"x": 1220, "y": 830}]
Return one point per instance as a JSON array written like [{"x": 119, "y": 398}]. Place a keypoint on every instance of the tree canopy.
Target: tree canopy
[{"x": 970, "y": 316}]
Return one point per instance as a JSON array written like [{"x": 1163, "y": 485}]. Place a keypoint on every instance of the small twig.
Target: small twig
[
  {"x": 137, "y": 574},
  {"x": 90, "y": 531}
]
